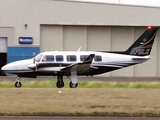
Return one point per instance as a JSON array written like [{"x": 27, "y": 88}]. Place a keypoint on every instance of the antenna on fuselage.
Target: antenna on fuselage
[{"x": 79, "y": 48}]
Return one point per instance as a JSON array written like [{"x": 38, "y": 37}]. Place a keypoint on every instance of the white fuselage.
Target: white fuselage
[{"x": 52, "y": 63}]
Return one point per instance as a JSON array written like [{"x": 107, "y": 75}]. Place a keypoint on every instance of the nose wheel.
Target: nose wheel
[{"x": 18, "y": 83}]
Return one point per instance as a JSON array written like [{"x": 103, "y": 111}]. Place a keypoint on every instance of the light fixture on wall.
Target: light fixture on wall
[{"x": 25, "y": 25}]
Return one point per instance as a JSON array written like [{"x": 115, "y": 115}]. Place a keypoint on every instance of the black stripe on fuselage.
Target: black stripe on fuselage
[{"x": 41, "y": 65}]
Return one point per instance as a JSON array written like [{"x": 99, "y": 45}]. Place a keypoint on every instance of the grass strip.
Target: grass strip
[
  {"x": 79, "y": 102},
  {"x": 83, "y": 84}
]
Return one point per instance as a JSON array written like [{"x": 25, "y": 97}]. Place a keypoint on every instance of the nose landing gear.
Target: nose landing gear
[{"x": 18, "y": 83}]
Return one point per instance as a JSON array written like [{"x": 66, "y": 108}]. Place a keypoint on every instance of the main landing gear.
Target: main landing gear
[
  {"x": 60, "y": 83},
  {"x": 71, "y": 85}
]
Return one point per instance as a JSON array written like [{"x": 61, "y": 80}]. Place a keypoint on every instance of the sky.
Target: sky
[{"x": 131, "y": 2}]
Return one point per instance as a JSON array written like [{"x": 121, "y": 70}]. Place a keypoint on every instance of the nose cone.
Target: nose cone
[
  {"x": 5, "y": 68},
  {"x": 8, "y": 67},
  {"x": 18, "y": 66}
]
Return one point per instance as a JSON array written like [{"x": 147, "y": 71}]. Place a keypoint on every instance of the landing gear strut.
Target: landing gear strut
[
  {"x": 60, "y": 83},
  {"x": 74, "y": 80},
  {"x": 18, "y": 83}
]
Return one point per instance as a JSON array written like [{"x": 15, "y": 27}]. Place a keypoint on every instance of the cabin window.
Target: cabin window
[
  {"x": 59, "y": 58},
  {"x": 83, "y": 57},
  {"x": 71, "y": 58},
  {"x": 98, "y": 58},
  {"x": 38, "y": 57},
  {"x": 48, "y": 58}
]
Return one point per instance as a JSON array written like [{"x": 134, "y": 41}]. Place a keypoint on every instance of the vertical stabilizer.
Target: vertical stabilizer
[{"x": 143, "y": 45}]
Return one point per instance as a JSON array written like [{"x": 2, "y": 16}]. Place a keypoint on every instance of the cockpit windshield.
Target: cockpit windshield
[{"x": 38, "y": 57}]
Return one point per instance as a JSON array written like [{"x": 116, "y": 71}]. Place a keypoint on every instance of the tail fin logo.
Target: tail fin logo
[{"x": 141, "y": 50}]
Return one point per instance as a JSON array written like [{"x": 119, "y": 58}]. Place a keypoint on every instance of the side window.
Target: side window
[
  {"x": 71, "y": 58},
  {"x": 48, "y": 58},
  {"x": 98, "y": 58},
  {"x": 59, "y": 58},
  {"x": 83, "y": 57}
]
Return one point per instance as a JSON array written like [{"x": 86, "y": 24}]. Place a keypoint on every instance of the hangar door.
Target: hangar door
[
  {"x": 51, "y": 38},
  {"x": 3, "y": 53},
  {"x": 57, "y": 37}
]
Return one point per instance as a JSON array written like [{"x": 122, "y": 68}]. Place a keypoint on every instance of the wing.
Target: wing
[{"x": 80, "y": 67}]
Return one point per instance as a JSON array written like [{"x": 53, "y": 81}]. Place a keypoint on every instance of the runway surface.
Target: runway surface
[{"x": 75, "y": 118}]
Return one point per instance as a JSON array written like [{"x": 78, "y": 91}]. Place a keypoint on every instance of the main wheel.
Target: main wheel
[
  {"x": 71, "y": 85},
  {"x": 18, "y": 84},
  {"x": 60, "y": 84}
]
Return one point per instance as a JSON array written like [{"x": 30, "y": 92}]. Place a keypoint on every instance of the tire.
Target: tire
[
  {"x": 71, "y": 85},
  {"x": 18, "y": 84},
  {"x": 60, "y": 84}
]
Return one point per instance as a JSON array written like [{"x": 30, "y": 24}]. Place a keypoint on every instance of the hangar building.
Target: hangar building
[{"x": 28, "y": 27}]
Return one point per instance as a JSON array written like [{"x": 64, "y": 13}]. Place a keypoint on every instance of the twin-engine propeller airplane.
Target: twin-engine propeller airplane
[{"x": 80, "y": 63}]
